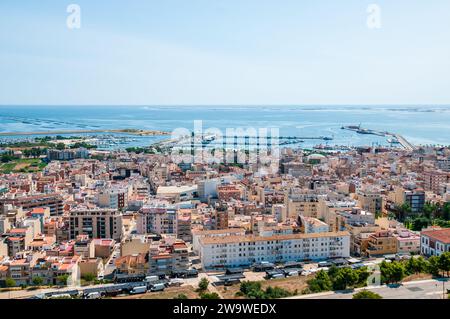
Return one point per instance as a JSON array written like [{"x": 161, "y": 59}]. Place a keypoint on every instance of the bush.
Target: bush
[
  {"x": 207, "y": 295},
  {"x": 253, "y": 290},
  {"x": 203, "y": 284},
  {"x": 37, "y": 281},
  {"x": 321, "y": 282},
  {"x": 181, "y": 296},
  {"x": 366, "y": 294},
  {"x": 9, "y": 282}
]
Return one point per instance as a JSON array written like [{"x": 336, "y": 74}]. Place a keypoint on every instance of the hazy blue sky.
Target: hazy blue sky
[{"x": 224, "y": 52}]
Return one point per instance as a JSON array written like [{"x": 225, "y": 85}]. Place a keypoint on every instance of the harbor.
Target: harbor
[{"x": 393, "y": 138}]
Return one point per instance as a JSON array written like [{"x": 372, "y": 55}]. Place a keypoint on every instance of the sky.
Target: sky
[{"x": 224, "y": 52}]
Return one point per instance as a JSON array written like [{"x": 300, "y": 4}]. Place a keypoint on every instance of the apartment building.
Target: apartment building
[
  {"x": 53, "y": 201},
  {"x": 434, "y": 179},
  {"x": 159, "y": 218},
  {"x": 434, "y": 242},
  {"x": 184, "y": 230},
  {"x": 228, "y": 192},
  {"x": 381, "y": 243},
  {"x": 371, "y": 201},
  {"x": 67, "y": 155},
  {"x": 241, "y": 251},
  {"x": 301, "y": 204},
  {"x": 96, "y": 223},
  {"x": 167, "y": 256},
  {"x": 197, "y": 235},
  {"x": 115, "y": 198},
  {"x": 414, "y": 198},
  {"x": 407, "y": 242}
]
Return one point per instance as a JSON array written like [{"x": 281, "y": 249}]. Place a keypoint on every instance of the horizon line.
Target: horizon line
[{"x": 224, "y": 105}]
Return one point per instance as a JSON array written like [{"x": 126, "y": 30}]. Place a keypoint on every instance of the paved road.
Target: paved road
[{"x": 425, "y": 289}]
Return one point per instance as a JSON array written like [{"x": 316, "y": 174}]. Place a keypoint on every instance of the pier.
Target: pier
[
  {"x": 401, "y": 140},
  {"x": 407, "y": 145}
]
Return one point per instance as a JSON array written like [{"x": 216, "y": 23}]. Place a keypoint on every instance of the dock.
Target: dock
[{"x": 401, "y": 140}]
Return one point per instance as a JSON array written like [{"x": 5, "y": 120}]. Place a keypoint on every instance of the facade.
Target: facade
[
  {"x": 97, "y": 223},
  {"x": 381, "y": 243},
  {"x": 302, "y": 204},
  {"x": 239, "y": 251},
  {"x": 157, "y": 219},
  {"x": 435, "y": 241},
  {"x": 53, "y": 201},
  {"x": 67, "y": 155},
  {"x": 168, "y": 256},
  {"x": 113, "y": 198}
]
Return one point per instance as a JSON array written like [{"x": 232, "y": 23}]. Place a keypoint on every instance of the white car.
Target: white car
[{"x": 305, "y": 273}]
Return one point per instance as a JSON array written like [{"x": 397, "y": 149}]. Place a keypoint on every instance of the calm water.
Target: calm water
[{"x": 419, "y": 124}]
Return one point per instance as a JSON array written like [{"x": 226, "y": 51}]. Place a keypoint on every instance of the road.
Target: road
[{"x": 425, "y": 289}]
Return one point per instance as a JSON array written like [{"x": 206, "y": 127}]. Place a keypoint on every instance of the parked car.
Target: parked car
[
  {"x": 157, "y": 287},
  {"x": 176, "y": 282},
  {"x": 292, "y": 273},
  {"x": 94, "y": 295}
]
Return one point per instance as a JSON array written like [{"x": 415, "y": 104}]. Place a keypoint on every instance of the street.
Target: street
[{"x": 425, "y": 289}]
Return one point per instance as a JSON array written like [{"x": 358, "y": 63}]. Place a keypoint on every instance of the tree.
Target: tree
[
  {"x": 252, "y": 289},
  {"x": 366, "y": 294},
  {"x": 9, "y": 282},
  {"x": 345, "y": 278},
  {"x": 60, "y": 146},
  {"x": 416, "y": 265},
  {"x": 38, "y": 281},
  {"x": 211, "y": 295},
  {"x": 62, "y": 279},
  {"x": 203, "y": 284},
  {"x": 446, "y": 211},
  {"x": 403, "y": 211},
  {"x": 420, "y": 223},
  {"x": 363, "y": 275},
  {"x": 89, "y": 277},
  {"x": 433, "y": 265},
  {"x": 393, "y": 272},
  {"x": 444, "y": 263},
  {"x": 321, "y": 282}
]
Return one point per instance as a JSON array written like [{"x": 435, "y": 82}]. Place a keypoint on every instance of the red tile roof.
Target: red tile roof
[{"x": 441, "y": 235}]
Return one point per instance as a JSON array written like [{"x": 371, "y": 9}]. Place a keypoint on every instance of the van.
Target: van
[
  {"x": 138, "y": 290},
  {"x": 150, "y": 279},
  {"x": 158, "y": 287}
]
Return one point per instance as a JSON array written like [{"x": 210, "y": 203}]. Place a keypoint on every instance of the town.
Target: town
[{"x": 85, "y": 223}]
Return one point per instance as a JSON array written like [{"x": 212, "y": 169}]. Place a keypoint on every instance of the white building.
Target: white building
[
  {"x": 435, "y": 241},
  {"x": 219, "y": 233},
  {"x": 240, "y": 251}
]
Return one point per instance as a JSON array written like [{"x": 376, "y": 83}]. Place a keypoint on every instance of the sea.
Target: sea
[{"x": 420, "y": 124}]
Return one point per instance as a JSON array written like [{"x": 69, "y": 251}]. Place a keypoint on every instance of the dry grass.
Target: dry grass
[
  {"x": 291, "y": 284},
  {"x": 418, "y": 277},
  {"x": 168, "y": 293}
]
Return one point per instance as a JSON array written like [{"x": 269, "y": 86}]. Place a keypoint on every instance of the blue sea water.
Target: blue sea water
[{"x": 419, "y": 124}]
